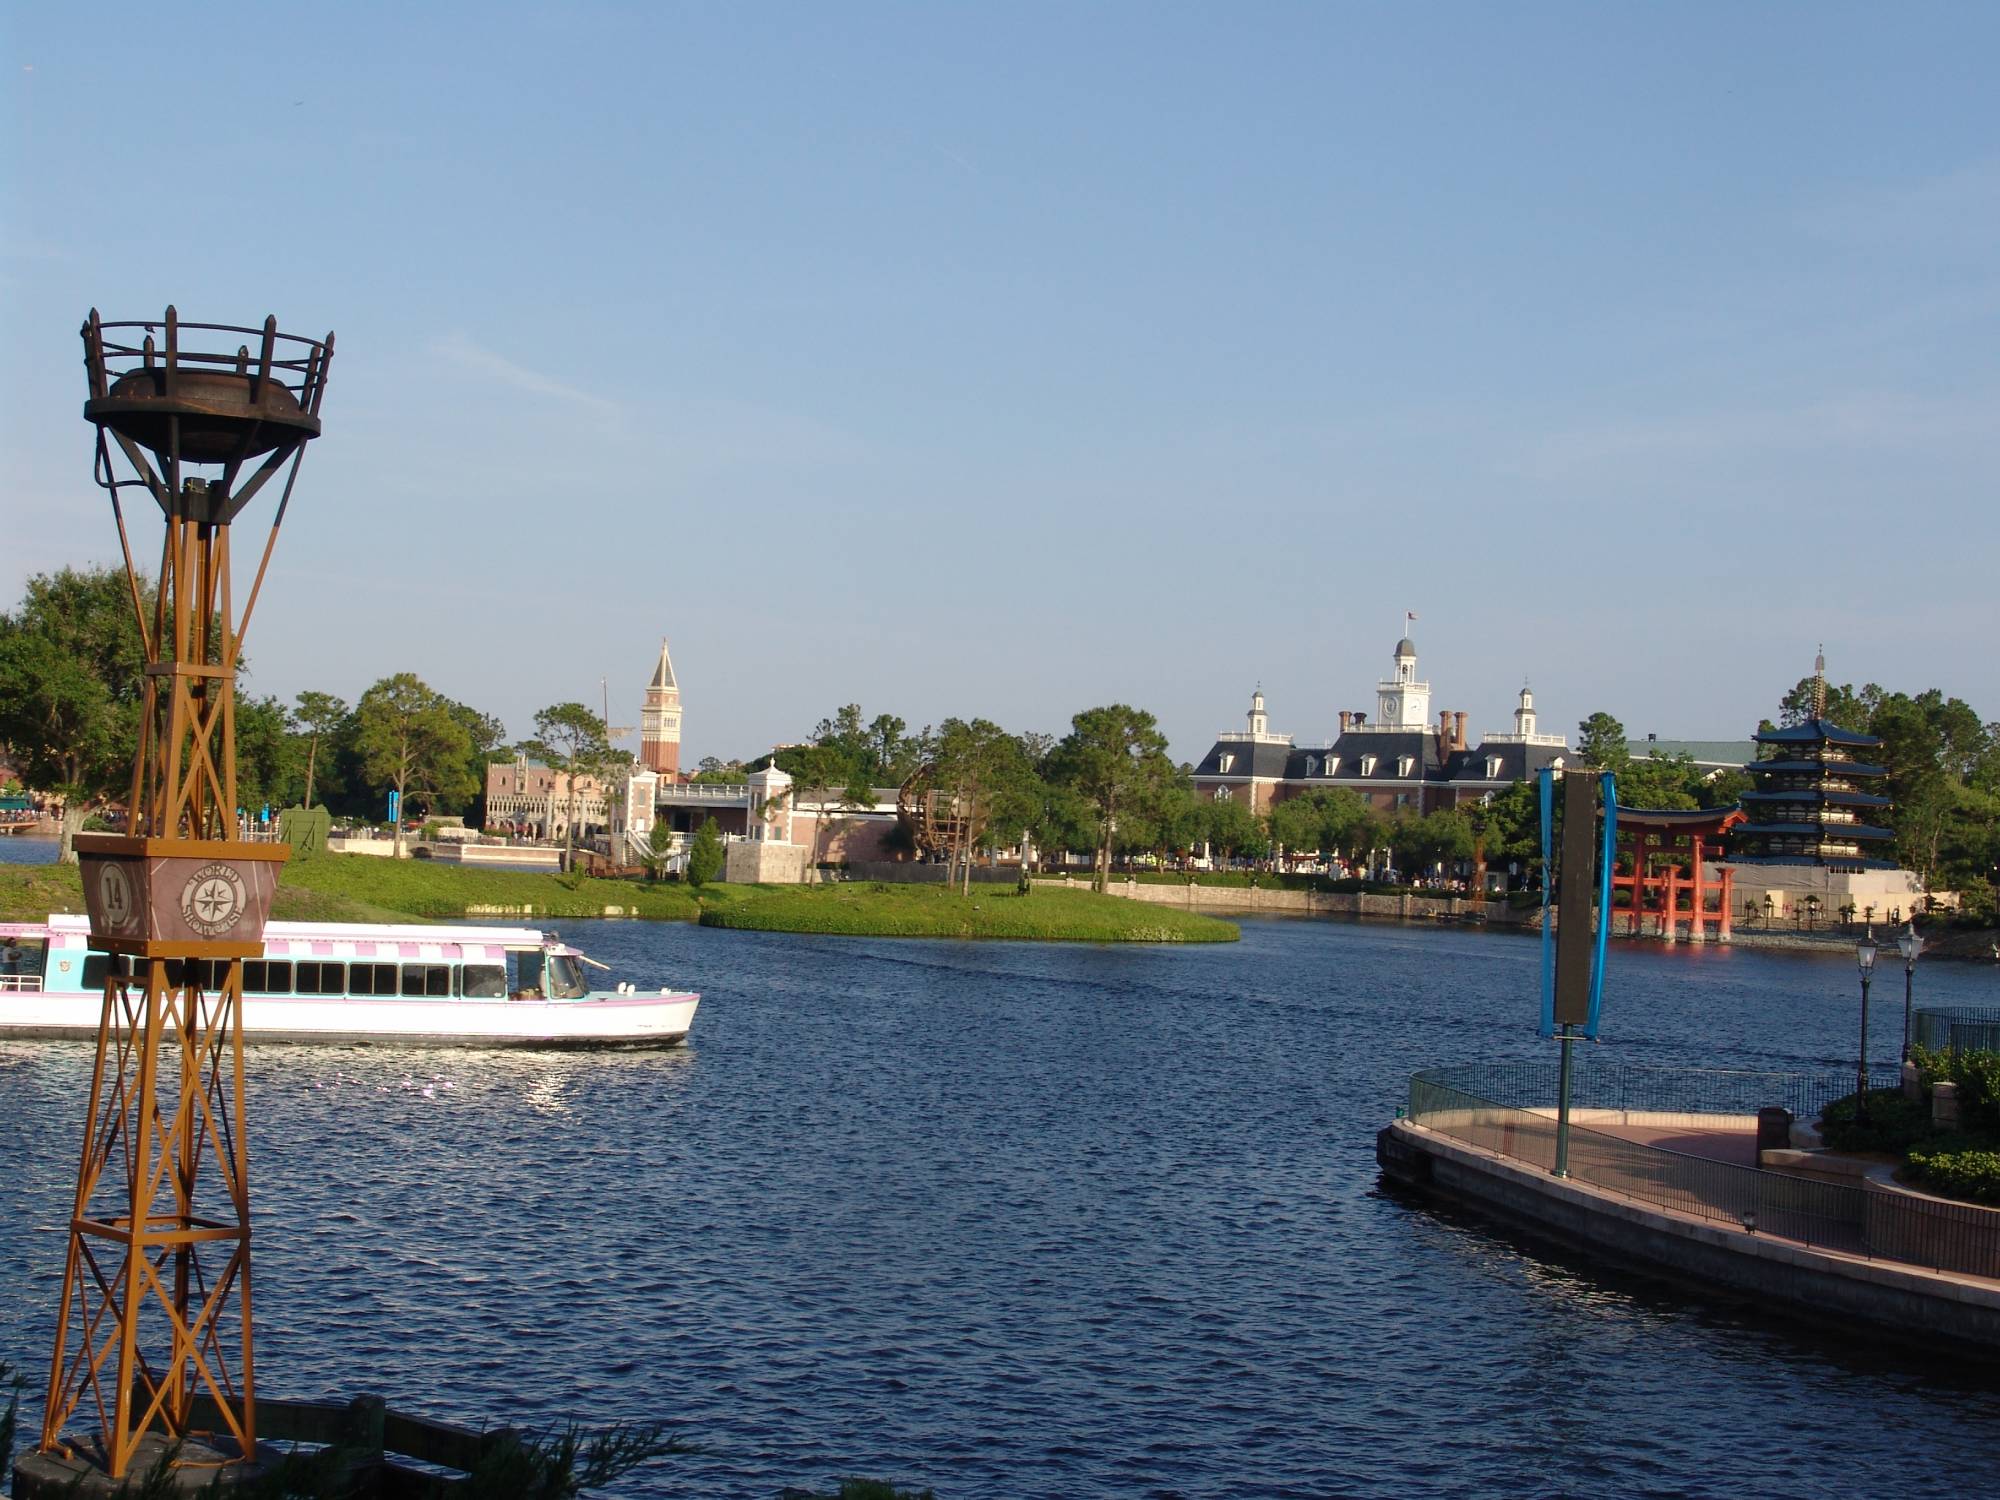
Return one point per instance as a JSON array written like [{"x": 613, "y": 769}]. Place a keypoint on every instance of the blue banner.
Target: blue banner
[
  {"x": 1547, "y": 786},
  {"x": 395, "y": 805},
  {"x": 1605, "y": 858}
]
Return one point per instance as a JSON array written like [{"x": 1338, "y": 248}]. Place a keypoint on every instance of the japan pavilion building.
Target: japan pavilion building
[{"x": 1813, "y": 846}]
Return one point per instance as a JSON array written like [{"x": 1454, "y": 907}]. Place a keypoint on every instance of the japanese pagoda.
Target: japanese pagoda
[{"x": 1811, "y": 805}]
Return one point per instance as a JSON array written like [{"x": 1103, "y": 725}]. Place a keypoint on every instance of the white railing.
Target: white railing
[{"x": 19, "y": 983}]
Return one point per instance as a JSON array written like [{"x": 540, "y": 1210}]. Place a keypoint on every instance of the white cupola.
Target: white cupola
[
  {"x": 1401, "y": 700},
  {"x": 1524, "y": 716}
]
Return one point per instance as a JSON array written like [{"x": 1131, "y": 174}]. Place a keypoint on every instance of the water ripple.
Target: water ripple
[{"x": 1013, "y": 1220}]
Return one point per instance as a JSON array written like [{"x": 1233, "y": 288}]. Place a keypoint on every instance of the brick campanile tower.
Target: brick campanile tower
[{"x": 660, "y": 720}]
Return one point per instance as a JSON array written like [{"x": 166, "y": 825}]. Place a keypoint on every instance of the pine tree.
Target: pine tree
[{"x": 705, "y": 855}]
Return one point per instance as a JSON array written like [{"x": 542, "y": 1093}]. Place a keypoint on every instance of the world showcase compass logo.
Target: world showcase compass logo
[{"x": 213, "y": 900}]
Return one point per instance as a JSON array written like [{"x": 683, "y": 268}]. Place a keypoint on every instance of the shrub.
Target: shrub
[
  {"x": 1977, "y": 1074},
  {"x": 1971, "y": 1175},
  {"x": 1893, "y": 1123}
]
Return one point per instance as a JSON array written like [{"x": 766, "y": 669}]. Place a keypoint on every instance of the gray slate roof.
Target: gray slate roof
[
  {"x": 1307, "y": 764},
  {"x": 1704, "y": 753}
]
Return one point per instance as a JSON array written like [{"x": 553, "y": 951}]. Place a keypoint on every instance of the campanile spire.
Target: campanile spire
[{"x": 660, "y": 719}]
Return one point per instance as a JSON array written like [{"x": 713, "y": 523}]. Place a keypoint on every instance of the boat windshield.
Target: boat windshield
[{"x": 565, "y": 977}]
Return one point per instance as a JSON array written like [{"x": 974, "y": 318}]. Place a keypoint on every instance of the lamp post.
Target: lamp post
[
  {"x": 1864, "y": 956},
  {"x": 1909, "y": 945}
]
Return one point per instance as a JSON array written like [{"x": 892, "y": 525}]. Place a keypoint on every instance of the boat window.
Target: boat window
[
  {"x": 565, "y": 978},
  {"x": 371, "y": 979},
  {"x": 267, "y": 976},
  {"x": 95, "y": 967},
  {"x": 322, "y": 979},
  {"x": 420, "y": 980},
  {"x": 484, "y": 982}
]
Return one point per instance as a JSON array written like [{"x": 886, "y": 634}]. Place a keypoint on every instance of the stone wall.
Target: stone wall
[
  {"x": 763, "y": 862},
  {"x": 1900, "y": 1300},
  {"x": 1403, "y": 906}
]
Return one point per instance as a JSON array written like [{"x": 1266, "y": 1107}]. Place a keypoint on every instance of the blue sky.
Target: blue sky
[{"x": 1009, "y": 360}]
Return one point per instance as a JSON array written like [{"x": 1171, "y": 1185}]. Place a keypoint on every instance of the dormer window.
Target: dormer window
[
  {"x": 1492, "y": 768},
  {"x": 1332, "y": 764},
  {"x": 1405, "y": 764},
  {"x": 1223, "y": 763},
  {"x": 1367, "y": 765},
  {"x": 1312, "y": 766}
]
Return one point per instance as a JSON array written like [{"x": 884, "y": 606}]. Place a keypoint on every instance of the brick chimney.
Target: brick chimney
[
  {"x": 1444, "y": 734},
  {"x": 1346, "y": 719},
  {"x": 1458, "y": 727}
]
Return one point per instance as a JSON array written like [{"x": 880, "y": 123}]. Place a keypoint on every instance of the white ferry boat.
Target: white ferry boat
[{"x": 333, "y": 981}]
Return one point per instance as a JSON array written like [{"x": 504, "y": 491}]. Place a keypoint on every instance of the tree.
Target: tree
[
  {"x": 1601, "y": 743},
  {"x": 1115, "y": 759},
  {"x": 1844, "y": 706},
  {"x": 1925, "y": 749},
  {"x": 266, "y": 755},
  {"x": 1232, "y": 829},
  {"x": 72, "y": 675},
  {"x": 487, "y": 737},
  {"x": 410, "y": 742},
  {"x": 895, "y": 754},
  {"x": 1507, "y": 827},
  {"x": 570, "y": 738},
  {"x": 984, "y": 776},
  {"x": 317, "y": 715},
  {"x": 838, "y": 779},
  {"x": 704, "y": 854},
  {"x": 1324, "y": 819},
  {"x": 659, "y": 849},
  {"x": 1438, "y": 838},
  {"x": 1660, "y": 782}
]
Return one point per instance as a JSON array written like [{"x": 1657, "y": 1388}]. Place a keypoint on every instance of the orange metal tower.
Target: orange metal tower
[{"x": 156, "y": 1286}]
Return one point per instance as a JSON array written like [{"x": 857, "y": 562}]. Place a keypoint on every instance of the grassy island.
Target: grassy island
[
  {"x": 360, "y": 888},
  {"x": 1042, "y": 915}
]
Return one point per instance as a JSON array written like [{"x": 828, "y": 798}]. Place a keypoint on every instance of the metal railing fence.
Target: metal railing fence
[
  {"x": 1965, "y": 1028},
  {"x": 1509, "y": 1109},
  {"x": 1691, "y": 1091}
]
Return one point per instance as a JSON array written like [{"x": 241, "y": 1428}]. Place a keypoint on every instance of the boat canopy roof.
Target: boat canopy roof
[{"x": 277, "y": 935}]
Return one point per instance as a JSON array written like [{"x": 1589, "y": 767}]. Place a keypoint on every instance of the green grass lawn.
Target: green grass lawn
[
  {"x": 29, "y": 893},
  {"x": 430, "y": 891},
  {"x": 362, "y": 888},
  {"x": 876, "y": 910}
]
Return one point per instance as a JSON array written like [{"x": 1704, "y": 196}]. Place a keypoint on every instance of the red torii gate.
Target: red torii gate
[{"x": 1684, "y": 842}]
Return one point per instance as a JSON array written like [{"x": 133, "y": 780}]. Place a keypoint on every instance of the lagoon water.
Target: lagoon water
[
  {"x": 1023, "y": 1220},
  {"x": 27, "y": 849}
]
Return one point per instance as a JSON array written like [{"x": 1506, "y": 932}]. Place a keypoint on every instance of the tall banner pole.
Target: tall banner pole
[
  {"x": 1607, "y": 856},
  {"x": 1545, "y": 785},
  {"x": 1575, "y": 979}
]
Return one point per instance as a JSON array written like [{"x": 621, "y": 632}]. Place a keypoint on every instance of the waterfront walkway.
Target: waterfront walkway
[{"x": 1663, "y": 1167}]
